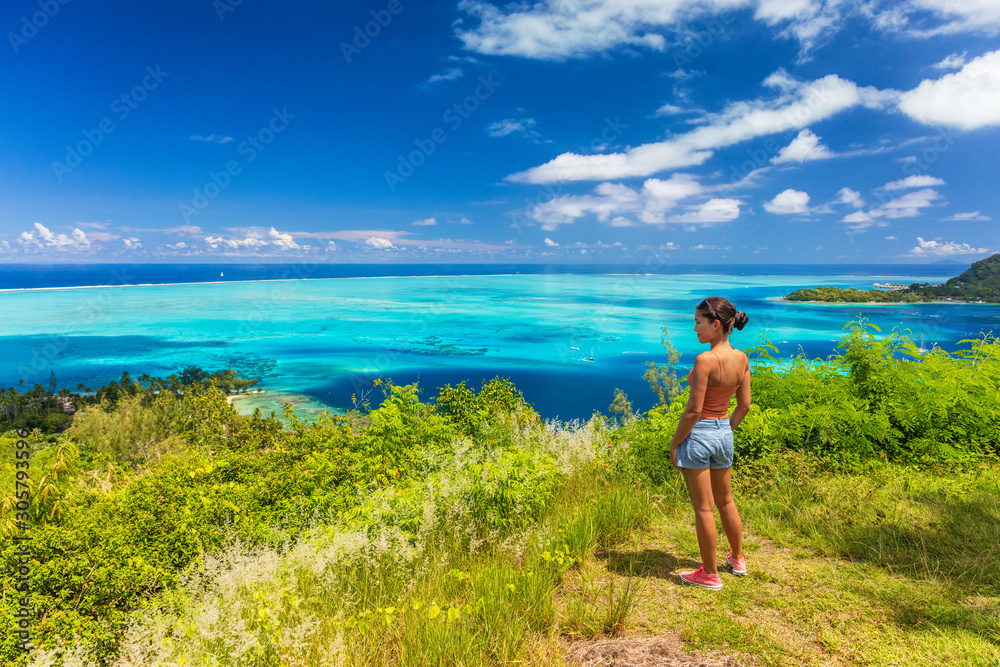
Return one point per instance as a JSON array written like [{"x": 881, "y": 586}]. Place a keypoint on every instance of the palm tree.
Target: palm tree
[{"x": 9, "y": 401}]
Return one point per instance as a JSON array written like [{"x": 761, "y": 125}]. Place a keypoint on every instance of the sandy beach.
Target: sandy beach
[{"x": 232, "y": 397}]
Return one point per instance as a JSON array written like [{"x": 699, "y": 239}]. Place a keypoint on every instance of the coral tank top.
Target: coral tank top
[{"x": 716, "y": 405}]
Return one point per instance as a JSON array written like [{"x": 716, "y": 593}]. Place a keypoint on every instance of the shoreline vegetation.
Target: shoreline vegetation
[
  {"x": 979, "y": 284},
  {"x": 838, "y": 298},
  {"x": 455, "y": 526}
]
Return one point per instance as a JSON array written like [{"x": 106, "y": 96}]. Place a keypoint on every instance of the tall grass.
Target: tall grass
[
  {"x": 921, "y": 524},
  {"x": 924, "y": 545},
  {"x": 417, "y": 575}
]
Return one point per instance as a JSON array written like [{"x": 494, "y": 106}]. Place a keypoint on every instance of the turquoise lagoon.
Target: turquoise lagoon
[{"x": 324, "y": 340}]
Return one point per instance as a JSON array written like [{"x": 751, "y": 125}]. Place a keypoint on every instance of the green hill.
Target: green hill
[{"x": 981, "y": 282}]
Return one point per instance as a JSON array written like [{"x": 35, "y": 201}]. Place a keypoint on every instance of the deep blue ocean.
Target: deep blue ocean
[
  {"x": 316, "y": 334},
  {"x": 29, "y": 276}
]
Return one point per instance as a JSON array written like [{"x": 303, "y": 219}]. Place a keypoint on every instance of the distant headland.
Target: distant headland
[{"x": 979, "y": 284}]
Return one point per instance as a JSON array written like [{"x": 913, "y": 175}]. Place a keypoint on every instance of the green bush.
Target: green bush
[{"x": 498, "y": 400}]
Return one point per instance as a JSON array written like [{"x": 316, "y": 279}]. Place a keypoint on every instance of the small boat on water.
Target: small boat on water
[
  {"x": 221, "y": 274},
  {"x": 573, "y": 347}
]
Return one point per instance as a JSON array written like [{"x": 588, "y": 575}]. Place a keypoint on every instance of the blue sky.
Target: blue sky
[{"x": 708, "y": 131}]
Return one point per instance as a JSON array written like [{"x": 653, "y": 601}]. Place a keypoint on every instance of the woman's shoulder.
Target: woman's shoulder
[
  {"x": 705, "y": 357},
  {"x": 745, "y": 361},
  {"x": 739, "y": 352},
  {"x": 704, "y": 362}
]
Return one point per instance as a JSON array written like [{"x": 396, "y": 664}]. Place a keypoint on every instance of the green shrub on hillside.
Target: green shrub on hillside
[
  {"x": 497, "y": 398},
  {"x": 187, "y": 475}
]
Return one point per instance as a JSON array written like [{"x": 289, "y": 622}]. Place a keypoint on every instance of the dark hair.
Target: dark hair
[{"x": 718, "y": 308}]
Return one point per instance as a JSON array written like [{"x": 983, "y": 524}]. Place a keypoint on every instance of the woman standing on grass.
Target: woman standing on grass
[{"x": 702, "y": 446}]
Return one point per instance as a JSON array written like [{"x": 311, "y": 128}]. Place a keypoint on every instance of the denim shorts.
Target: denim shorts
[{"x": 709, "y": 445}]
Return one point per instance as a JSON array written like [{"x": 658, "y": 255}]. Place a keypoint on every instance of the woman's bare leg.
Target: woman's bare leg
[
  {"x": 722, "y": 492},
  {"x": 699, "y": 485}
]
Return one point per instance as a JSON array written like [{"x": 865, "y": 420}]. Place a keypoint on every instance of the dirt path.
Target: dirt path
[{"x": 794, "y": 608}]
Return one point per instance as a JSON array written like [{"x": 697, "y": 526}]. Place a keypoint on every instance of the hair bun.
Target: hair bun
[{"x": 741, "y": 320}]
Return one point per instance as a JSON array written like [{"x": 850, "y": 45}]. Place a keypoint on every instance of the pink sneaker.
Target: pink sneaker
[
  {"x": 700, "y": 578},
  {"x": 739, "y": 565}
]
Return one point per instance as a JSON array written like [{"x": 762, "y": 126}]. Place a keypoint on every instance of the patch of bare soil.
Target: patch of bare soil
[{"x": 644, "y": 652}]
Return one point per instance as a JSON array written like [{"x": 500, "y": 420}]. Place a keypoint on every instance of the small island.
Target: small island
[{"x": 979, "y": 284}]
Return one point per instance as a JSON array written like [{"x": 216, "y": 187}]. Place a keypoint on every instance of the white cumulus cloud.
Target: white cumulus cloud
[
  {"x": 426, "y": 222},
  {"x": 849, "y": 196},
  {"x": 42, "y": 237},
  {"x": 556, "y": 30},
  {"x": 549, "y": 242},
  {"x": 943, "y": 249},
  {"x": 788, "y": 202},
  {"x": 216, "y": 242},
  {"x": 254, "y": 239},
  {"x": 968, "y": 99},
  {"x": 714, "y": 210},
  {"x": 282, "y": 241},
  {"x": 613, "y": 201},
  {"x": 379, "y": 242},
  {"x": 804, "y": 148},
  {"x": 860, "y": 221}
]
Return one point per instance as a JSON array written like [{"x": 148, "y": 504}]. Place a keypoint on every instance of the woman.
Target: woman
[{"x": 702, "y": 447}]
